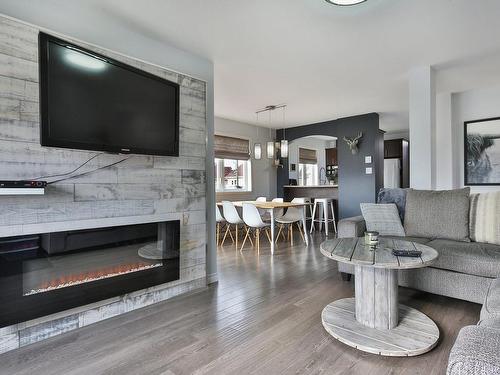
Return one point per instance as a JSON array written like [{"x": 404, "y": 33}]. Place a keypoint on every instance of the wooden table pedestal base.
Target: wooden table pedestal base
[{"x": 415, "y": 334}]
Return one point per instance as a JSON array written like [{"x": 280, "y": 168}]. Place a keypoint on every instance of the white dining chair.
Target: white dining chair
[
  {"x": 232, "y": 218},
  {"x": 221, "y": 225},
  {"x": 266, "y": 216},
  {"x": 279, "y": 212},
  {"x": 261, "y": 210},
  {"x": 292, "y": 216},
  {"x": 254, "y": 222}
]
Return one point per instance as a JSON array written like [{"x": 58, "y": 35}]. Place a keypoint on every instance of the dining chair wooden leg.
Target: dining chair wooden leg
[
  {"x": 280, "y": 229},
  {"x": 268, "y": 235},
  {"x": 231, "y": 235},
  {"x": 283, "y": 233},
  {"x": 291, "y": 234},
  {"x": 257, "y": 240},
  {"x": 249, "y": 236},
  {"x": 228, "y": 229},
  {"x": 236, "y": 235},
  {"x": 217, "y": 234},
  {"x": 245, "y": 239},
  {"x": 300, "y": 231}
]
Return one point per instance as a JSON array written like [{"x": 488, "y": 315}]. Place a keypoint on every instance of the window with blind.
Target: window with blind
[
  {"x": 308, "y": 167},
  {"x": 232, "y": 164}
]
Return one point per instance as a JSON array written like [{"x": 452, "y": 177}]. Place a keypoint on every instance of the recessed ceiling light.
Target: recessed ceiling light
[{"x": 345, "y": 2}]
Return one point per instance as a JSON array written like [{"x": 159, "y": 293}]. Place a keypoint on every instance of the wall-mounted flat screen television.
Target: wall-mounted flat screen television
[{"x": 91, "y": 102}]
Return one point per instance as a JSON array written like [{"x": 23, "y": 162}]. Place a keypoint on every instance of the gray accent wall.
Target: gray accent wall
[
  {"x": 141, "y": 189},
  {"x": 355, "y": 186}
]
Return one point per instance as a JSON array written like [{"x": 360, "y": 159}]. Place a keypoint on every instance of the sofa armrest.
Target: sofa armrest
[
  {"x": 351, "y": 227},
  {"x": 475, "y": 352}
]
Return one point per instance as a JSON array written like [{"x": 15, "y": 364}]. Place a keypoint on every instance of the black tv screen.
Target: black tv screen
[{"x": 91, "y": 102}]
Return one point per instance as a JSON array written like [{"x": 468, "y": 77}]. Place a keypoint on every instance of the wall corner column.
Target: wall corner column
[
  {"x": 211, "y": 254},
  {"x": 422, "y": 111}
]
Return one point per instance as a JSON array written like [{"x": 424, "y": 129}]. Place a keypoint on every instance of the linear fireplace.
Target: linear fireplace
[{"x": 45, "y": 273}]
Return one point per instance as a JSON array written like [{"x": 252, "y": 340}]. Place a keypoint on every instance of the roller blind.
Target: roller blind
[
  {"x": 307, "y": 156},
  {"x": 231, "y": 148}
]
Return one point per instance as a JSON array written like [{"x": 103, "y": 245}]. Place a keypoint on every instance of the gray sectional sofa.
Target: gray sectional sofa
[
  {"x": 465, "y": 270},
  {"x": 477, "y": 348}
]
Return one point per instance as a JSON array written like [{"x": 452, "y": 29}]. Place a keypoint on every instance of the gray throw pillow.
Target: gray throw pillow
[
  {"x": 382, "y": 218},
  {"x": 438, "y": 214},
  {"x": 396, "y": 196}
]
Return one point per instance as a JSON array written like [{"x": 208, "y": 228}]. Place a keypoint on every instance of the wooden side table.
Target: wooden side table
[{"x": 374, "y": 321}]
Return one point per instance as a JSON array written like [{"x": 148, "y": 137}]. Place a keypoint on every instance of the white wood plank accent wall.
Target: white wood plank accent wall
[{"x": 144, "y": 186}]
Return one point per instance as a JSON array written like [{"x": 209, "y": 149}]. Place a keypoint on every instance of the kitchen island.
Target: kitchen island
[{"x": 313, "y": 191}]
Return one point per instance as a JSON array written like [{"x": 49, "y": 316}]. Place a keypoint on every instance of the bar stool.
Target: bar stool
[{"x": 324, "y": 204}]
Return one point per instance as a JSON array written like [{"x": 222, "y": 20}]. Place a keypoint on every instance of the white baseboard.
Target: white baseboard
[{"x": 212, "y": 278}]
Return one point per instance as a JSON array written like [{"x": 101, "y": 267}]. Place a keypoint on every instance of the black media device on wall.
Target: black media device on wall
[{"x": 92, "y": 102}]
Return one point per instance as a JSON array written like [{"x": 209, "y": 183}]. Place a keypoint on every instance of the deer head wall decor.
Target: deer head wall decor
[{"x": 353, "y": 143}]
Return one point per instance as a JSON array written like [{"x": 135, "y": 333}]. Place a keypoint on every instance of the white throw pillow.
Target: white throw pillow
[
  {"x": 382, "y": 218},
  {"x": 484, "y": 220}
]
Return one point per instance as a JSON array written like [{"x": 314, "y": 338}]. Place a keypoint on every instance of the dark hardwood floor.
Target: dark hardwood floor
[{"x": 263, "y": 317}]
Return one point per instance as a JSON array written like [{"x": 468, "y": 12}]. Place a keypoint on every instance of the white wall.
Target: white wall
[
  {"x": 471, "y": 105},
  {"x": 452, "y": 110},
  {"x": 311, "y": 143},
  {"x": 263, "y": 173}
]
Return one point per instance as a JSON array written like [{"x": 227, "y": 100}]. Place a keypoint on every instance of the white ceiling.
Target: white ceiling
[{"x": 324, "y": 61}]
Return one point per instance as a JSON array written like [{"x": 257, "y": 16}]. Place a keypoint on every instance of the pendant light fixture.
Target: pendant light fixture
[
  {"x": 270, "y": 144},
  {"x": 272, "y": 147},
  {"x": 284, "y": 142},
  {"x": 257, "y": 151},
  {"x": 257, "y": 147},
  {"x": 270, "y": 150}
]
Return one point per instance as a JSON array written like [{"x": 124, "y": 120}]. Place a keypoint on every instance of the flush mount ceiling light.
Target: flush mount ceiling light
[{"x": 345, "y": 2}]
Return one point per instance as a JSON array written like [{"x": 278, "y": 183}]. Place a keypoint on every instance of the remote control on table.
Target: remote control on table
[{"x": 406, "y": 253}]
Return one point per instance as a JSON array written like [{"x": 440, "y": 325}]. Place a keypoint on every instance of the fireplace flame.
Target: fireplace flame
[{"x": 85, "y": 277}]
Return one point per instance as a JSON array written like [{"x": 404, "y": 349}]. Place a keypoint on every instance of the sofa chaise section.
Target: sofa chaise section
[
  {"x": 477, "y": 348},
  {"x": 464, "y": 270}
]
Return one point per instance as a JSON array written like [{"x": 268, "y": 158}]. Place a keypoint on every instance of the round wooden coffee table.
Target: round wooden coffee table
[{"x": 373, "y": 321}]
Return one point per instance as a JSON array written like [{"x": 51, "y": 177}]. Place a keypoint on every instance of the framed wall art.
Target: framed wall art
[{"x": 482, "y": 152}]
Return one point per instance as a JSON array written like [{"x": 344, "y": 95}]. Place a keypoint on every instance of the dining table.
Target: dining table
[{"x": 270, "y": 207}]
